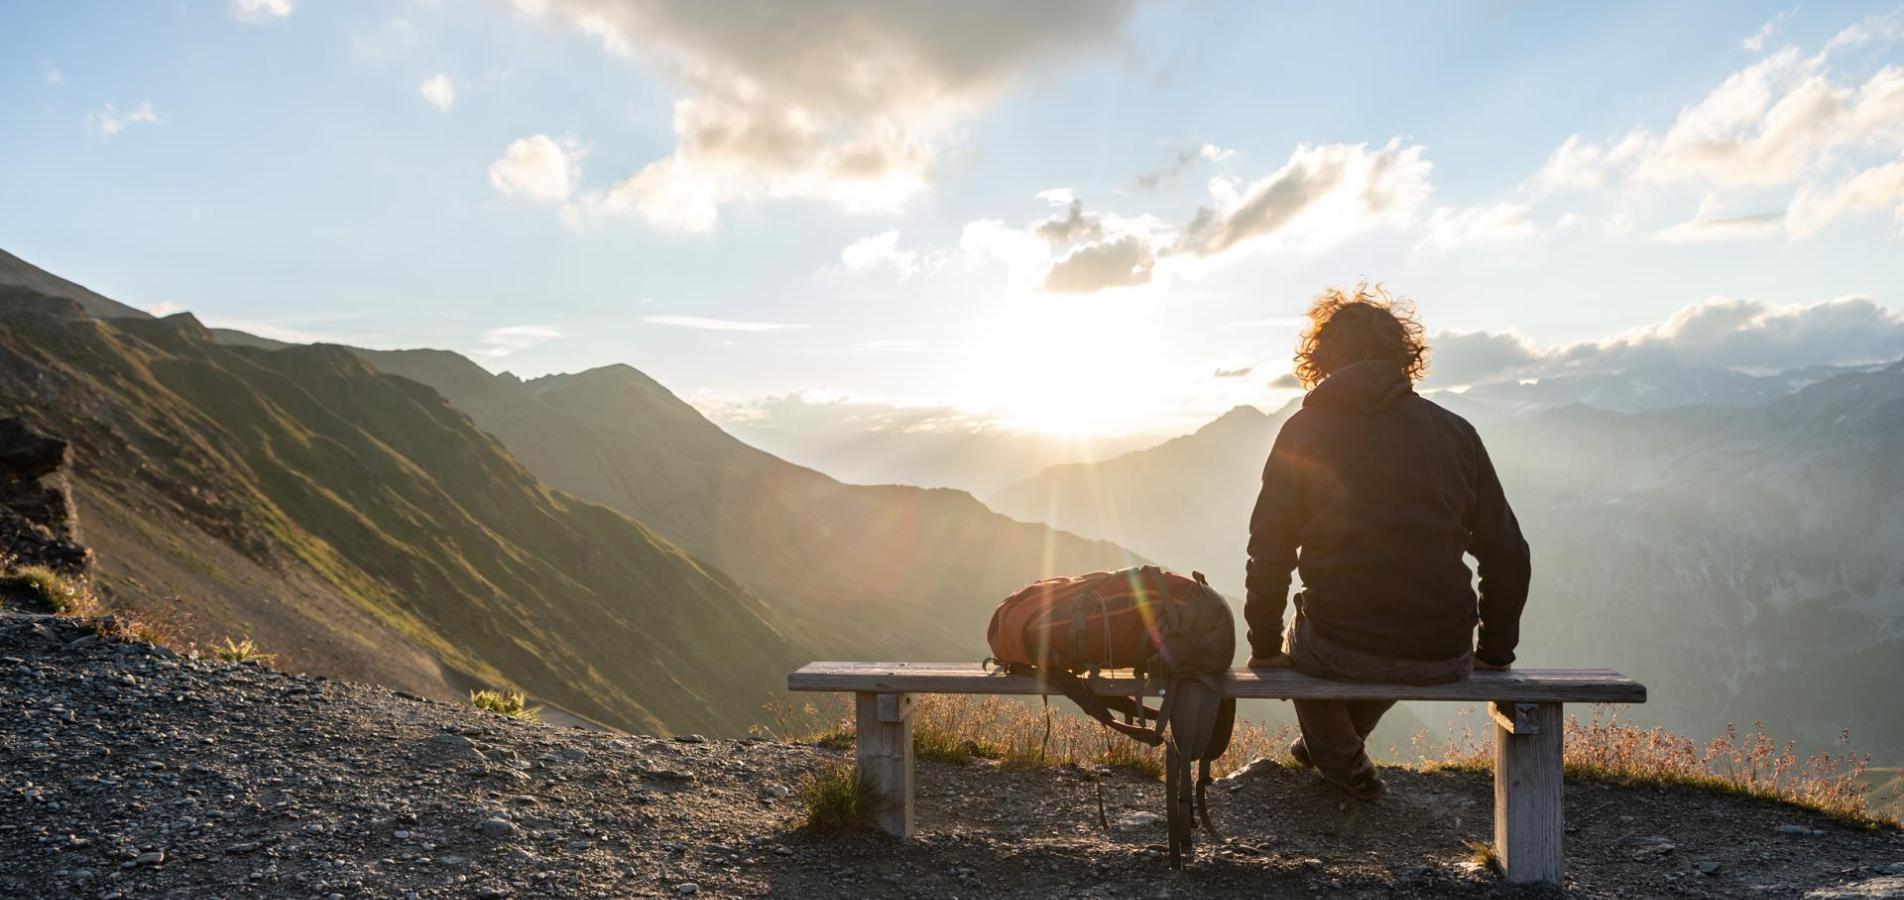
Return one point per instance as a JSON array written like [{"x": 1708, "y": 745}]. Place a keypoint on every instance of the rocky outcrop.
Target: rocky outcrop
[{"x": 38, "y": 522}]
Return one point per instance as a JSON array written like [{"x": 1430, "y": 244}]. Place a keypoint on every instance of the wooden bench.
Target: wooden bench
[{"x": 1524, "y": 703}]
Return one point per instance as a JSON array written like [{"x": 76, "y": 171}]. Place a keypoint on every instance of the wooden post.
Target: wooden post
[
  {"x": 884, "y": 744},
  {"x": 1527, "y": 791}
]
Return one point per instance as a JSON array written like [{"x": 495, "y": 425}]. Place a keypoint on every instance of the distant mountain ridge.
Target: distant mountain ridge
[
  {"x": 1741, "y": 559},
  {"x": 823, "y": 554}
]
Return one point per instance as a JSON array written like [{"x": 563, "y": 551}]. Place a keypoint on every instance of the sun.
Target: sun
[{"x": 1072, "y": 367}]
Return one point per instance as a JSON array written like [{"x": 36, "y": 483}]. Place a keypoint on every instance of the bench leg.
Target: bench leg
[
  {"x": 1527, "y": 791},
  {"x": 884, "y": 743}
]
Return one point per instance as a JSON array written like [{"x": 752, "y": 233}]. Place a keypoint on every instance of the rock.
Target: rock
[
  {"x": 1798, "y": 829},
  {"x": 687, "y": 888},
  {"x": 1883, "y": 887},
  {"x": 488, "y": 892},
  {"x": 690, "y": 739},
  {"x": 1707, "y": 868},
  {"x": 451, "y": 748},
  {"x": 496, "y": 827},
  {"x": 150, "y": 858},
  {"x": 1138, "y": 820}
]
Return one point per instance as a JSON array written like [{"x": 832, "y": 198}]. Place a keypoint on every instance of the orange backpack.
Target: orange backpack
[{"x": 1158, "y": 623}]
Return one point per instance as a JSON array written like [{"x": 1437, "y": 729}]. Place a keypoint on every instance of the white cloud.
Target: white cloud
[
  {"x": 1186, "y": 159},
  {"x": 879, "y": 250},
  {"x": 109, "y": 121},
  {"x": 500, "y": 342},
  {"x": 1323, "y": 195},
  {"x": 256, "y": 11},
  {"x": 539, "y": 168},
  {"x": 1711, "y": 224},
  {"x": 1449, "y": 228},
  {"x": 1719, "y": 332},
  {"x": 53, "y": 75},
  {"x": 843, "y": 102},
  {"x": 1579, "y": 164},
  {"x": 1123, "y": 261},
  {"x": 1786, "y": 122},
  {"x": 707, "y": 324},
  {"x": 438, "y": 91},
  {"x": 1874, "y": 189},
  {"x": 1756, "y": 41}
]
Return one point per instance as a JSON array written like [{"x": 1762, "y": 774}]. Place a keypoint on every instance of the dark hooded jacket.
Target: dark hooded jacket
[{"x": 1374, "y": 493}]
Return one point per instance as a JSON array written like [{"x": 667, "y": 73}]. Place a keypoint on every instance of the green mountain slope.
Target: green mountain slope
[
  {"x": 854, "y": 571},
  {"x": 359, "y": 524}
]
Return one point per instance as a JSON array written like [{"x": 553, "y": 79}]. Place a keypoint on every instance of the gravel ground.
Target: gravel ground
[{"x": 126, "y": 771}]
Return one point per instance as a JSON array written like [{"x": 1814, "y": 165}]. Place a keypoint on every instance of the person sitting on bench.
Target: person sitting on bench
[{"x": 1381, "y": 491}]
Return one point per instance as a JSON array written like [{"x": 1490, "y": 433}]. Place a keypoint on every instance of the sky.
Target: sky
[{"x": 1079, "y": 217}]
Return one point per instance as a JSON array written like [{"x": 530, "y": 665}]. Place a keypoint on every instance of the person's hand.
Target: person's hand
[
  {"x": 1486, "y": 666},
  {"x": 1275, "y": 661}
]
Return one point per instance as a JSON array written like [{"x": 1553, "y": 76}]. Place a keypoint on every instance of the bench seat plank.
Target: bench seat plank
[{"x": 1513, "y": 686}]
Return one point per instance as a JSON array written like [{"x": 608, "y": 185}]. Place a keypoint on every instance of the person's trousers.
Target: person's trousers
[{"x": 1335, "y": 732}]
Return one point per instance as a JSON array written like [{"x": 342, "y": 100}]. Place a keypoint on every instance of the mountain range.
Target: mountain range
[
  {"x": 614, "y": 554},
  {"x": 1740, "y": 557}
]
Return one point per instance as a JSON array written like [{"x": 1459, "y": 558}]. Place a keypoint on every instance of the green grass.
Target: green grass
[
  {"x": 837, "y": 800},
  {"x": 505, "y": 703}
]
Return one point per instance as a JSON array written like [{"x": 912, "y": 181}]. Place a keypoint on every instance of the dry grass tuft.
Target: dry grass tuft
[
  {"x": 1753, "y": 765},
  {"x": 837, "y": 800},
  {"x": 962, "y": 729},
  {"x": 58, "y": 594},
  {"x": 243, "y": 651}
]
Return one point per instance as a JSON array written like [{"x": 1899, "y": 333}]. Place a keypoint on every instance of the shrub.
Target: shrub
[
  {"x": 507, "y": 703},
  {"x": 837, "y": 800}
]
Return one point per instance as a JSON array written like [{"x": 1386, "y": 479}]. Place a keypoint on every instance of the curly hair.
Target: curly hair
[{"x": 1351, "y": 326}]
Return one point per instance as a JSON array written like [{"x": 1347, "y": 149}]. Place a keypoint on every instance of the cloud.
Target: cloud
[
  {"x": 1708, "y": 225},
  {"x": 1719, "y": 332},
  {"x": 1787, "y": 121},
  {"x": 843, "y": 102},
  {"x": 53, "y": 75},
  {"x": 706, "y": 324},
  {"x": 500, "y": 342},
  {"x": 1186, "y": 159},
  {"x": 1449, "y": 228},
  {"x": 1323, "y": 195},
  {"x": 879, "y": 250},
  {"x": 254, "y": 12},
  {"x": 1237, "y": 372},
  {"x": 108, "y": 122},
  {"x": 438, "y": 91},
  {"x": 539, "y": 168},
  {"x": 1119, "y": 262},
  {"x": 1756, "y": 41},
  {"x": 1874, "y": 189}
]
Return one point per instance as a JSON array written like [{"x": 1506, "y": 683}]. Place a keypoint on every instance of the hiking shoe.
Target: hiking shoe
[
  {"x": 1364, "y": 785},
  {"x": 1300, "y": 751}
]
